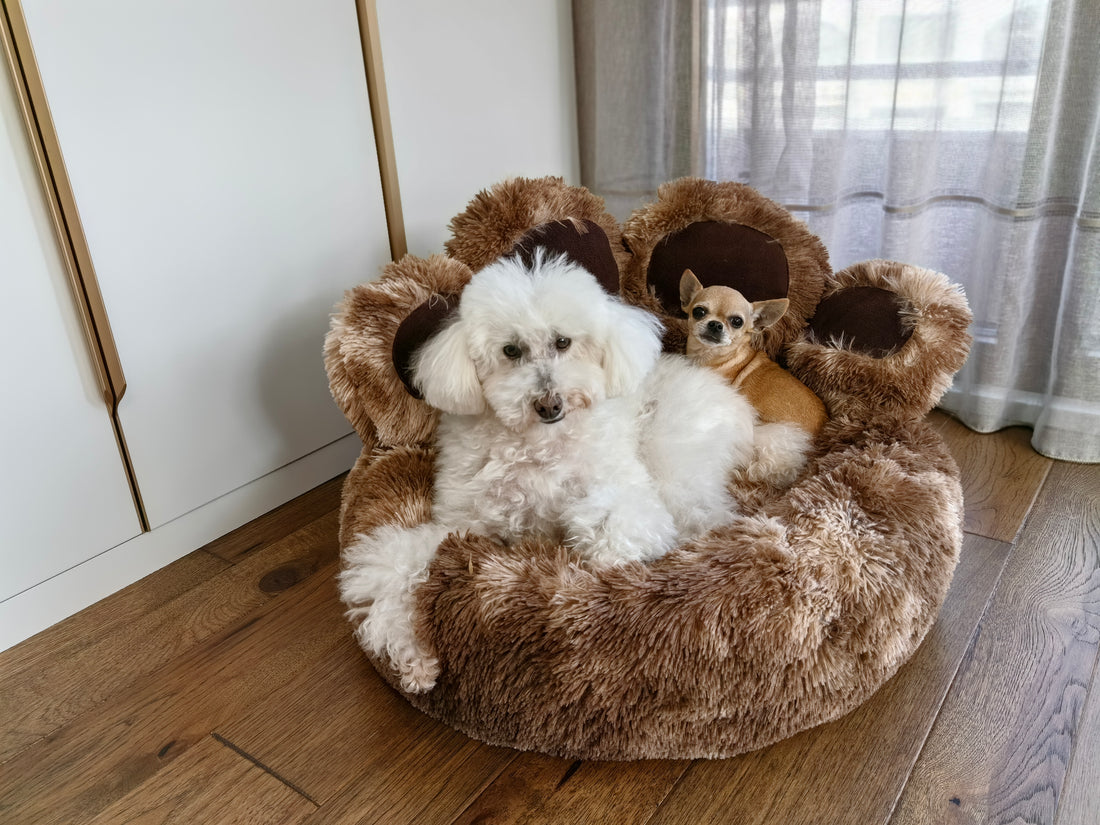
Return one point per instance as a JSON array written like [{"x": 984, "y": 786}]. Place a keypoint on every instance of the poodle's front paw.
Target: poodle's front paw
[
  {"x": 418, "y": 673},
  {"x": 383, "y": 571},
  {"x": 395, "y": 640},
  {"x": 639, "y": 530}
]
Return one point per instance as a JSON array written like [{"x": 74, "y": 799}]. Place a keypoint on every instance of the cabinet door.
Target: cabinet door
[
  {"x": 223, "y": 161},
  {"x": 63, "y": 490},
  {"x": 478, "y": 91}
]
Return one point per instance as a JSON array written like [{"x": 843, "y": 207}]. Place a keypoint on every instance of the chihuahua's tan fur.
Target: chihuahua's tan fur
[{"x": 720, "y": 326}]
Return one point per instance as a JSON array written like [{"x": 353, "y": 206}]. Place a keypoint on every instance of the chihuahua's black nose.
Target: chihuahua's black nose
[
  {"x": 549, "y": 407},
  {"x": 714, "y": 327}
]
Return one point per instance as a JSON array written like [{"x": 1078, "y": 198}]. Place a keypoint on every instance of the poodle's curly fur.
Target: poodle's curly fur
[{"x": 561, "y": 421}]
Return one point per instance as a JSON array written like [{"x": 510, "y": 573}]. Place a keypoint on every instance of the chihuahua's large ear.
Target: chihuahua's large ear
[
  {"x": 689, "y": 286},
  {"x": 444, "y": 372},
  {"x": 766, "y": 313},
  {"x": 631, "y": 347}
]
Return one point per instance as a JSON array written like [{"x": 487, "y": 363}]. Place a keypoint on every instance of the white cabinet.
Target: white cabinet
[
  {"x": 226, "y": 188},
  {"x": 63, "y": 489},
  {"x": 223, "y": 161},
  {"x": 478, "y": 91}
]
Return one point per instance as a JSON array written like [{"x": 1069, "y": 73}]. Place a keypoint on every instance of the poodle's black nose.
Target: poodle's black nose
[{"x": 549, "y": 407}]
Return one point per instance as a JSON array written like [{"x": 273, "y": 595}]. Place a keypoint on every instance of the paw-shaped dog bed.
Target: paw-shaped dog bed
[{"x": 792, "y": 615}]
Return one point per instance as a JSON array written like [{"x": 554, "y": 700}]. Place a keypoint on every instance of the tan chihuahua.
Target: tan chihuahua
[{"x": 720, "y": 326}]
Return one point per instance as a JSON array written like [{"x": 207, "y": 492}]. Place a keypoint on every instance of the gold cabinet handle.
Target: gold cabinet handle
[
  {"x": 19, "y": 57},
  {"x": 23, "y": 69},
  {"x": 371, "y": 41}
]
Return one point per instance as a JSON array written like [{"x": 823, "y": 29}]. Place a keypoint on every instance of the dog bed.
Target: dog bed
[{"x": 789, "y": 617}]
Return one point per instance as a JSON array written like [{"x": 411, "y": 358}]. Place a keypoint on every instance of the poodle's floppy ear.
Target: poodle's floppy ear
[
  {"x": 444, "y": 372},
  {"x": 631, "y": 345}
]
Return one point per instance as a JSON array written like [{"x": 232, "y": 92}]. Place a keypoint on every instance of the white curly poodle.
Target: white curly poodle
[{"x": 561, "y": 419}]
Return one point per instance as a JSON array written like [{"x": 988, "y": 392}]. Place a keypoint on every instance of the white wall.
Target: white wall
[{"x": 479, "y": 91}]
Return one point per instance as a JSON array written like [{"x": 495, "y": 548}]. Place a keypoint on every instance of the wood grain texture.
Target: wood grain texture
[
  {"x": 1000, "y": 748},
  {"x": 421, "y": 781},
  {"x": 522, "y": 787},
  {"x": 102, "y": 755},
  {"x": 1001, "y": 475},
  {"x": 296, "y": 513},
  {"x": 1079, "y": 803},
  {"x": 332, "y": 724},
  {"x": 539, "y": 789},
  {"x": 341, "y": 735},
  {"x": 91, "y": 624},
  {"x": 79, "y": 678},
  {"x": 872, "y": 748},
  {"x": 209, "y": 784}
]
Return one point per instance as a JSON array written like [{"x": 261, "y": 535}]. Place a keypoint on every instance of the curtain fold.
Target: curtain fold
[
  {"x": 1050, "y": 378},
  {"x": 637, "y": 101},
  {"x": 958, "y": 135}
]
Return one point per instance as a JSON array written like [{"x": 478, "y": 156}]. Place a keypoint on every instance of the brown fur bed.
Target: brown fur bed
[{"x": 791, "y": 616}]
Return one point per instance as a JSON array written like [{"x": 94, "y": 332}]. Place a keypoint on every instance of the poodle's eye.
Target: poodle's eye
[
  {"x": 512, "y": 351},
  {"x": 699, "y": 313},
  {"x": 737, "y": 322},
  {"x": 563, "y": 343}
]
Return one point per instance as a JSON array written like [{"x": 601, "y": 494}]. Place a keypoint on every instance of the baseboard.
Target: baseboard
[{"x": 33, "y": 610}]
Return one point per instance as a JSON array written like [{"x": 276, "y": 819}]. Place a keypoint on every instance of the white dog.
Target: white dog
[{"x": 561, "y": 419}]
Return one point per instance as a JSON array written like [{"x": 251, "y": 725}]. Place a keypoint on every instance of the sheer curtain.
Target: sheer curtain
[{"x": 959, "y": 135}]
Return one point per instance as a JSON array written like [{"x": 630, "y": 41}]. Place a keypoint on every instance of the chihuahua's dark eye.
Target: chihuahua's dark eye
[
  {"x": 563, "y": 343},
  {"x": 512, "y": 351},
  {"x": 699, "y": 313},
  {"x": 737, "y": 322}
]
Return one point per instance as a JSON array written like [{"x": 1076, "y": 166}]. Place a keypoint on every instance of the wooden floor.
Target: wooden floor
[{"x": 227, "y": 688}]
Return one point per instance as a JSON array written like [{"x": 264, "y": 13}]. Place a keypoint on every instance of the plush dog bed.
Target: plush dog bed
[{"x": 791, "y": 616}]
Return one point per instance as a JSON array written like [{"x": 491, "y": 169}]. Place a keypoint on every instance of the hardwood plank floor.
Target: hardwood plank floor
[
  {"x": 1001, "y": 476},
  {"x": 1001, "y": 746},
  {"x": 209, "y": 783},
  {"x": 36, "y": 701},
  {"x": 227, "y": 688},
  {"x": 1080, "y": 800}
]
